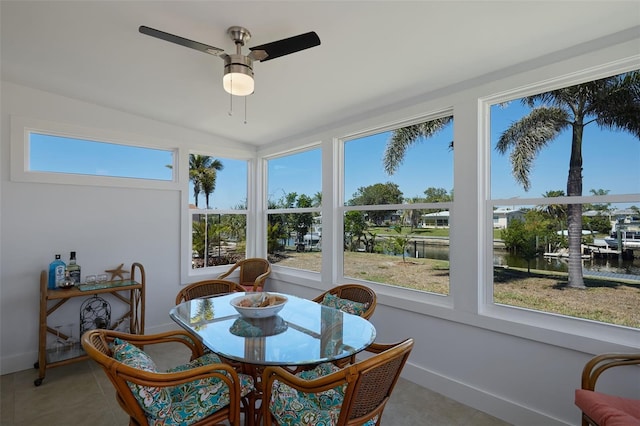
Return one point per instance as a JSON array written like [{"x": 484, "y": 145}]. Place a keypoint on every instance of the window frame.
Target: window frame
[
  {"x": 22, "y": 127},
  {"x": 189, "y": 274},
  {"x": 295, "y": 210},
  {"x": 564, "y": 331},
  {"x": 399, "y": 296}
]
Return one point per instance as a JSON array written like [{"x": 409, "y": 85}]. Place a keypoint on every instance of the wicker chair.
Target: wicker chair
[
  {"x": 253, "y": 273},
  {"x": 355, "y": 293},
  {"x": 599, "y": 409},
  {"x": 206, "y": 288},
  {"x": 148, "y": 396},
  {"x": 354, "y": 395}
]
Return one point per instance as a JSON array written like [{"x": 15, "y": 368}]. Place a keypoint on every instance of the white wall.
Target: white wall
[
  {"x": 106, "y": 226},
  {"x": 524, "y": 373}
]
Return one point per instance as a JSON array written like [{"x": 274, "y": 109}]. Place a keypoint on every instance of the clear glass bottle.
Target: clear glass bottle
[
  {"x": 73, "y": 268},
  {"x": 56, "y": 273}
]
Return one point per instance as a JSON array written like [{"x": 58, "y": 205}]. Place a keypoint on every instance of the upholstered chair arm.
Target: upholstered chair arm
[
  {"x": 322, "y": 383},
  {"x": 224, "y": 372},
  {"x": 179, "y": 336}
]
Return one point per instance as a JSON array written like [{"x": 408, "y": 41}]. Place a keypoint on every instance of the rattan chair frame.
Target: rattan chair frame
[
  {"x": 206, "y": 288},
  {"x": 354, "y": 292},
  {"x": 369, "y": 383},
  {"x": 96, "y": 343},
  {"x": 253, "y": 273},
  {"x": 596, "y": 366}
]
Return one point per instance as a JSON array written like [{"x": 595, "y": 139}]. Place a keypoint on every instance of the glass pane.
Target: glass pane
[
  {"x": 531, "y": 263},
  {"x": 412, "y": 164},
  {"x": 295, "y": 240},
  {"x": 219, "y": 183},
  {"x": 220, "y": 238},
  {"x": 399, "y": 253},
  {"x": 48, "y": 153},
  {"x": 531, "y": 145},
  {"x": 573, "y": 259},
  {"x": 294, "y": 176}
]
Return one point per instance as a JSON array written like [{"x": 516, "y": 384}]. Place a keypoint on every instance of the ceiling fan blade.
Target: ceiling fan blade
[
  {"x": 205, "y": 48},
  {"x": 275, "y": 49}
]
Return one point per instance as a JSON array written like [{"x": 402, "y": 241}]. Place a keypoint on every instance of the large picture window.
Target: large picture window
[
  {"x": 566, "y": 201},
  {"x": 398, "y": 194}
]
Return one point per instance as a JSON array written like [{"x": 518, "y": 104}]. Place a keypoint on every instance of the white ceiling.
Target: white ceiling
[{"x": 374, "y": 54}]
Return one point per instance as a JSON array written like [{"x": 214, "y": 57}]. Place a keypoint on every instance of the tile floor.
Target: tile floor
[{"x": 81, "y": 394}]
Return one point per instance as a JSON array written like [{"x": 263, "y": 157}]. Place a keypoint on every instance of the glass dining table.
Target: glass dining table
[{"x": 303, "y": 333}]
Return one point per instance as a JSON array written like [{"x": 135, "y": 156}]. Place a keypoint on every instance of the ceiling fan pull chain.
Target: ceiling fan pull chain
[{"x": 245, "y": 109}]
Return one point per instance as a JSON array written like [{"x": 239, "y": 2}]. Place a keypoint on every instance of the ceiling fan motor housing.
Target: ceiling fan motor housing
[{"x": 238, "y": 63}]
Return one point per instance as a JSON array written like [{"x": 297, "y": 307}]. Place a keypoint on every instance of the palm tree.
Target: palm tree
[
  {"x": 611, "y": 103},
  {"x": 317, "y": 199},
  {"x": 556, "y": 211},
  {"x": 208, "y": 181},
  {"x": 403, "y": 138},
  {"x": 203, "y": 173},
  {"x": 412, "y": 216}
]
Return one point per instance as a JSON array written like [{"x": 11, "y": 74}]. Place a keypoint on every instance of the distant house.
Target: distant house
[
  {"x": 436, "y": 220},
  {"x": 625, "y": 216},
  {"x": 502, "y": 216},
  {"x": 616, "y": 217}
]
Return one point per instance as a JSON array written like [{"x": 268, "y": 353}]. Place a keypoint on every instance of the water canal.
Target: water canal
[{"x": 503, "y": 258}]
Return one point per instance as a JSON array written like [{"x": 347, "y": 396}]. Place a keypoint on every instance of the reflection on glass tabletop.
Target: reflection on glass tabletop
[{"x": 302, "y": 333}]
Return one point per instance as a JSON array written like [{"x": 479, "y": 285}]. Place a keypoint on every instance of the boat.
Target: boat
[
  {"x": 627, "y": 233},
  {"x": 311, "y": 240}
]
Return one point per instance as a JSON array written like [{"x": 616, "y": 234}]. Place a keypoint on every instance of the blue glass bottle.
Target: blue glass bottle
[{"x": 56, "y": 273}]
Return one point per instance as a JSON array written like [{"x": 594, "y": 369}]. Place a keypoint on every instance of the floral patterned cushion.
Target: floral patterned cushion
[
  {"x": 193, "y": 401},
  {"x": 156, "y": 401},
  {"x": 183, "y": 404},
  {"x": 344, "y": 305},
  {"x": 291, "y": 407},
  {"x": 206, "y": 359}
]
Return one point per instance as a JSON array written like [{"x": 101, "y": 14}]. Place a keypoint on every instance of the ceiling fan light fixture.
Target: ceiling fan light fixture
[{"x": 238, "y": 75}]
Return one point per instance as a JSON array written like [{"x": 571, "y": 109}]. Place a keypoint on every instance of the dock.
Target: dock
[{"x": 605, "y": 252}]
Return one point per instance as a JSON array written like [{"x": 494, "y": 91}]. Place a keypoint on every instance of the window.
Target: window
[
  {"x": 565, "y": 201},
  {"x": 57, "y": 153},
  {"x": 294, "y": 220},
  {"x": 218, "y": 210},
  {"x": 398, "y": 193},
  {"x": 60, "y": 154}
]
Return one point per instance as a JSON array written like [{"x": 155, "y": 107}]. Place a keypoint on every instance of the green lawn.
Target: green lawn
[{"x": 421, "y": 232}]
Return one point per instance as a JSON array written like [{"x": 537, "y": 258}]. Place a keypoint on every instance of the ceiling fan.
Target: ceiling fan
[{"x": 238, "y": 68}]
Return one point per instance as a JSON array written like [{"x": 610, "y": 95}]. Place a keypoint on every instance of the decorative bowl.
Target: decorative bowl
[{"x": 259, "y": 305}]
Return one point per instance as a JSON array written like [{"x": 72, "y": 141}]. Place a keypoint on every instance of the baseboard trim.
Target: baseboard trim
[{"x": 506, "y": 410}]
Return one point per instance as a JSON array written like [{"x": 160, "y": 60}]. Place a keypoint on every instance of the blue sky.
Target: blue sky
[
  {"x": 611, "y": 162},
  {"x": 67, "y": 155}
]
